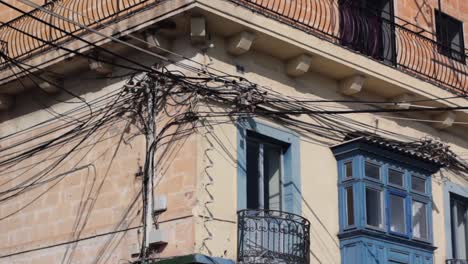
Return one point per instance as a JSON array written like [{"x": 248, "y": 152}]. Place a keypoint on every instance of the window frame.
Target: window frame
[
  {"x": 382, "y": 207},
  {"x": 407, "y": 214},
  {"x": 412, "y": 175},
  {"x": 353, "y": 170},
  {"x": 291, "y": 185},
  {"x": 360, "y": 182},
  {"x": 446, "y": 49},
  {"x": 448, "y": 189},
  {"x": 404, "y": 176},
  {"x": 375, "y": 163},
  {"x": 345, "y": 225},
  {"x": 263, "y": 141},
  {"x": 428, "y": 205}
]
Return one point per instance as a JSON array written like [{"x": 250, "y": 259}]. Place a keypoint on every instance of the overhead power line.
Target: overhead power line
[
  {"x": 238, "y": 97},
  {"x": 146, "y": 51},
  {"x": 69, "y": 242},
  {"x": 227, "y": 74},
  {"x": 97, "y": 32},
  {"x": 72, "y": 36}
]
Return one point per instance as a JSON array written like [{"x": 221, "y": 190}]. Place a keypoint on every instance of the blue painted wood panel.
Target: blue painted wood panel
[{"x": 366, "y": 250}]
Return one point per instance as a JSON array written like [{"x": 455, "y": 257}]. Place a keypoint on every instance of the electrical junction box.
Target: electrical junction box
[
  {"x": 157, "y": 237},
  {"x": 160, "y": 204}
]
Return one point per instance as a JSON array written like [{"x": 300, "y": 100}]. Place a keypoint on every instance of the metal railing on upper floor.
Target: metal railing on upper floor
[
  {"x": 373, "y": 31},
  {"x": 268, "y": 236},
  {"x": 369, "y": 30},
  {"x": 29, "y": 33}
]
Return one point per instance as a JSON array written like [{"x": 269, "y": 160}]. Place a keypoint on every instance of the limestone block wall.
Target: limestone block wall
[
  {"x": 83, "y": 202},
  {"x": 216, "y": 235},
  {"x": 94, "y": 194}
]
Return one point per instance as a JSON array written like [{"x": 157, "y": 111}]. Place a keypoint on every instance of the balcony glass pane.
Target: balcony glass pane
[
  {"x": 397, "y": 214},
  {"x": 374, "y": 212},
  {"x": 419, "y": 220},
  {"x": 372, "y": 170},
  {"x": 395, "y": 177},
  {"x": 418, "y": 184},
  {"x": 349, "y": 206},
  {"x": 348, "y": 169}
]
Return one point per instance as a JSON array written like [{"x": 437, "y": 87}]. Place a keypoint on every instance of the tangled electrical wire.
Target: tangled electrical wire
[
  {"x": 186, "y": 100},
  {"x": 181, "y": 105},
  {"x": 236, "y": 98}
]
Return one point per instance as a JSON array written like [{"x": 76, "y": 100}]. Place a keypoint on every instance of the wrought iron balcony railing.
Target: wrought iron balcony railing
[
  {"x": 369, "y": 29},
  {"x": 31, "y": 32},
  {"x": 456, "y": 261},
  {"x": 266, "y": 236},
  {"x": 373, "y": 31}
]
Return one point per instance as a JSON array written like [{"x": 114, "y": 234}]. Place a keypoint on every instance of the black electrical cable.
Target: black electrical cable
[
  {"x": 94, "y": 102},
  {"x": 70, "y": 242},
  {"x": 50, "y": 43},
  {"x": 33, "y": 180},
  {"x": 242, "y": 99}
]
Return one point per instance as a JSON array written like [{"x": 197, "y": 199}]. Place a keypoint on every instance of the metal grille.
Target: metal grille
[
  {"x": 373, "y": 33},
  {"x": 267, "y": 236},
  {"x": 87, "y": 12},
  {"x": 3, "y": 51}
]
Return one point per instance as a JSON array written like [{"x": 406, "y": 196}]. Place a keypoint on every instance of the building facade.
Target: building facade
[{"x": 306, "y": 131}]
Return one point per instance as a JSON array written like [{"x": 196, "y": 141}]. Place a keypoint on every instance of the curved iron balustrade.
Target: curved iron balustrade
[
  {"x": 391, "y": 40},
  {"x": 374, "y": 33},
  {"x": 3, "y": 47},
  {"x": 267, "y": 236},
  {"x": 23, "y": 34}
]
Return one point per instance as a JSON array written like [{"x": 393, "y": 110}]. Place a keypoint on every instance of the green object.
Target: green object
[{"x": 192, "y": 259}]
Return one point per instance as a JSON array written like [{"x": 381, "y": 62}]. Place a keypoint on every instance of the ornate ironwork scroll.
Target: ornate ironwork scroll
[
  {"x": 373, "y": 32},
  {"x": 267, "y": 236}
]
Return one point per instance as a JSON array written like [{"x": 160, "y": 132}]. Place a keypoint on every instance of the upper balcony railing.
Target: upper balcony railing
[
  {"x": 30, "y": 33},
  {"x": 370, "y": 30},
  {"x": 373, "y": 31},
  {"x": 267, "y": 236}
]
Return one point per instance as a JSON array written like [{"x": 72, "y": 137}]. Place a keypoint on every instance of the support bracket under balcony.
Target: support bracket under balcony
[{"x": 352, "y": 85}]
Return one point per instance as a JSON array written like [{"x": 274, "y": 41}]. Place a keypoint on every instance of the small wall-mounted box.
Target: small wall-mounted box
[
  {"x": 160, "y": 204},
  {"x": 157, "y": 237}
]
